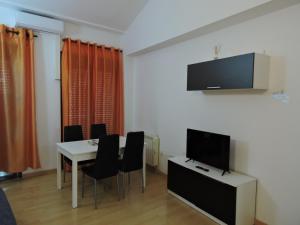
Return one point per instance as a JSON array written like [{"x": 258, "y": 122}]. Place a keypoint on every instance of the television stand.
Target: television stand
[
  {"x": 202, "y": 168},
  {"x": 226, "y": 199}
]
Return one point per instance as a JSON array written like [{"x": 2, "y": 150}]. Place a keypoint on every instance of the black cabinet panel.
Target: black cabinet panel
[
  {"x": 182, "y": 182},
  {"x": 228, "y": 73},
  {"x": 214, "y": 197}
]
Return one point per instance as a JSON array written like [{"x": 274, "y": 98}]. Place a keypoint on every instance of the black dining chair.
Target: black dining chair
[
  {"x": 132, "y": 159},
  {"x": 73, "y": 133},
  {"x": 98, "y": 130},
  {"x": 106, "y": 164}
]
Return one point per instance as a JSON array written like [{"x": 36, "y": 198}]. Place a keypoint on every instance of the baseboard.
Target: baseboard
[
  {"x": 163, "y": 161},
  {"x": 161, "y": 173},
  {"x": 155, "y": 170},
  {"x": 257, "y": 222},
  {"x": 39, "y": 173},
  {"x": 11, "y": 176}
]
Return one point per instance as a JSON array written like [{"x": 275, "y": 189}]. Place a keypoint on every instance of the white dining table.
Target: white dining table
[{"x": 80, "y": 151}]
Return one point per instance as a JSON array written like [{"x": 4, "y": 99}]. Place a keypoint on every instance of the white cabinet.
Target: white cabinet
[{"x": 228, "y": 199}]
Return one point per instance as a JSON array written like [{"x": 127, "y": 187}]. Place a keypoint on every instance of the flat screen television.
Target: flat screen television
[{"x": 209, "y": 148}]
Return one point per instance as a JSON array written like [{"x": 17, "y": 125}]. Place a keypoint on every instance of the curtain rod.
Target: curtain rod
[
  {"x": 86, "y": 43},
  {"x": 17, "y": 32}
]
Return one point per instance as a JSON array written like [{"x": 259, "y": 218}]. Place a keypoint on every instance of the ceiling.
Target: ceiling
[{"x": 115, "y": 15}]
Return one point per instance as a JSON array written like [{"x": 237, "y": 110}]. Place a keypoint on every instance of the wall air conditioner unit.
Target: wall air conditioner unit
[{"x": 39, "y": 23}]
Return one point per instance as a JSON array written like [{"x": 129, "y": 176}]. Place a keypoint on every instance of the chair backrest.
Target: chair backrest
[
  {"x": 107, "y": 164},
  {"x": 133, "y": 153},
  {"x": 98, "y": 130},
  {"x": 73, "y": 133}
]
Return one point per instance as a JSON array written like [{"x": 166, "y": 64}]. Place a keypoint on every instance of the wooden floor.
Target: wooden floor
[{"x": 36, "y": 201}]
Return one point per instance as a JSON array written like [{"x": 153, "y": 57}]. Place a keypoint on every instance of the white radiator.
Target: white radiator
[{"x": 152, "y": 150}]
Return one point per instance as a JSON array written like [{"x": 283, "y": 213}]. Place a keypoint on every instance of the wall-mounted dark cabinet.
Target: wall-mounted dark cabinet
[{"x": 249, "y": 71}]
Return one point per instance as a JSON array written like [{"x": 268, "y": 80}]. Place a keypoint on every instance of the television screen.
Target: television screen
[{"x": 209, "y": 148}]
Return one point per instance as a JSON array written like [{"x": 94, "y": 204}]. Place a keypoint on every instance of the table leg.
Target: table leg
[
  {"x": 74, "y": 183},
  {"x": 144, "y": 167},
  {"x": 58, "y": 166}
]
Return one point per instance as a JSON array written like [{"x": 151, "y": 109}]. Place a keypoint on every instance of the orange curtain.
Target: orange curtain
[
  {"x": 92, "y": 86},
  {"x": 18, "y": 142}
]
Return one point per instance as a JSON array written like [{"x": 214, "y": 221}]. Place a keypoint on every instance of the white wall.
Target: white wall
[
  {"x": 7, "y": 16},
  {"x": 265, "y": 133},
  {"x": 128, "y": 95},
  {"x": 91, "y": 34},
  {"x": 47, "y": 53},
  {"x": 170, "y": 18}
]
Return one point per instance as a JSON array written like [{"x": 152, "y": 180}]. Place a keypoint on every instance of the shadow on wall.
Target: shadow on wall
[
  {"x": 234, "y": 92},
  {"x": 163, "y": 162},
  {"x": 239, "y": 154},
  {"x": 239, "y": 160},
  {"x": 278, "y": 74},
  {"x": 268, "y": 208}
]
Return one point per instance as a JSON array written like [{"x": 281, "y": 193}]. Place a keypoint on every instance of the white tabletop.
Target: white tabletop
[
  {"x": 83, "y": 147},
  {"x": 233, "y": 178}
]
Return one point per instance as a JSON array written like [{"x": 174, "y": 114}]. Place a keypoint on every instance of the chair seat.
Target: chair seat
[
  {"x": 123, "y": 168},
  {"x": 90, "y": 171}
]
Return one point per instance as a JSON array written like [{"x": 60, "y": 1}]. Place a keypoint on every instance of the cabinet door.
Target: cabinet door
[
  {"x": 228, "y": 73},
  {"x": 181, "y": 181},
  {"x": 216, "y": 198}
]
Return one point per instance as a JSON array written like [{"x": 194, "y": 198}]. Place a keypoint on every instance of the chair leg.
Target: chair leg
[
  {"x": 128, "y": 179},
  {"x": 95, "y": 192},
  {"x": 118, "y": 187},
  {"x": 142, "y": 179},
  {"x": 82, "y": 185},
  {"x": 107, "y": 184},
  {"x": 124, "y": 184}
]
